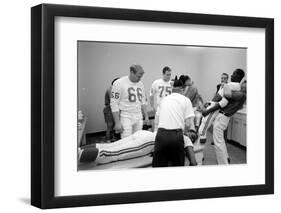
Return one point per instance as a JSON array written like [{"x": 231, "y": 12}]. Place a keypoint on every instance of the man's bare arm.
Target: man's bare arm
[
  {"x": 189, "y": 124},
  {"x": 190, "y": 155},
  {"x": 144, "y": 110},
  {"x": 211, "y": 109}
]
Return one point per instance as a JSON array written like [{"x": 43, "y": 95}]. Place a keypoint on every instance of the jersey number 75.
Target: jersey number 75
[{"x": 164, "y": 91}]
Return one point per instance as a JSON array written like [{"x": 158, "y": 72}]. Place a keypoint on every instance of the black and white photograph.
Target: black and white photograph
[
  {"x": 140, "y": 106},
  {"x": 133, "y": 106},
  {"x": 144, "y": 105}
]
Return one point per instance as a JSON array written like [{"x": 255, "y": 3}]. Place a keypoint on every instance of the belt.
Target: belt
[{"x": 170, "y": 130}]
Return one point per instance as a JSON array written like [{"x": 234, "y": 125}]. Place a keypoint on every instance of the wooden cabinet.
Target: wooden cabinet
[
  {"x": 244, "y": 134},
  {"x": 237, "y": 128}
]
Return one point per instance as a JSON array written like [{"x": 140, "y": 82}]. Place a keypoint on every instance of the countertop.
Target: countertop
[{"x": 242, "y": 111}]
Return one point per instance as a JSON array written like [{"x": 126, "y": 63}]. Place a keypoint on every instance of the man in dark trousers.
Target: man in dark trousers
[{"x": 175, "y": 117}]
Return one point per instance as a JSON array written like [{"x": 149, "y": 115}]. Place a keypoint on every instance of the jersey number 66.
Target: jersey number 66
[{"x": 134, "y": 94}]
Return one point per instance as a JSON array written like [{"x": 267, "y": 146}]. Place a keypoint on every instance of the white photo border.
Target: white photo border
[{"x": 70, "y": 182}]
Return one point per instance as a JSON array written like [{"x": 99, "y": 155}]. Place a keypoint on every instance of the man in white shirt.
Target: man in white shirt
[
  {"x": 160, "y": 88},
  {"x": 175, "y": 117},
  {"x": 139, "y": 144},
  {"x": 128, "y": 101}
]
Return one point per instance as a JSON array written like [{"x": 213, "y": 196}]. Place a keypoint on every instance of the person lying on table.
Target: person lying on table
[{"x": 139, "y": 144}]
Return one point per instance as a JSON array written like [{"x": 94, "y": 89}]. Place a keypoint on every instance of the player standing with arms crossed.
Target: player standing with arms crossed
[
  {"x": 128, "y": 101},
  {"x": 160, "y": 88}
]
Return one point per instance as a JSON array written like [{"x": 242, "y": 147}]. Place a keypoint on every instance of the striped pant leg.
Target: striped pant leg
[{"x": 126, "y": 148}]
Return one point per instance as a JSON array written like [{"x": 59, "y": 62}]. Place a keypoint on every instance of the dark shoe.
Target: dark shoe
[
  {"x": 89, "y": 155},
  {"x": 228, "y": 159},
  {"x": 117, "y": 136},
  {"x": 114, "y": 139}
]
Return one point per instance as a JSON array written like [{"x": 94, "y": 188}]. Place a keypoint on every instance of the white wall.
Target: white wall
[
  {"x": 99, "y": 63},
  {"x": 15, "y": 109},
  {"x": 216, "y": 61}
]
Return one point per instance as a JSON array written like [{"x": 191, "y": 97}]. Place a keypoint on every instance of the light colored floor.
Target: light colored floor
[{"x": 237, "y": 155}]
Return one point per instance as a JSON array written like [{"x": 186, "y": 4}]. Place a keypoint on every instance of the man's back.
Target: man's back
[{"x": 174, "y": 109}]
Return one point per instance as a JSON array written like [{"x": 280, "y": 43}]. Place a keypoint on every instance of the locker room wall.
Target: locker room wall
[
  {"x": 99, "y": 63},
  {"x": 215, "y": 62}
]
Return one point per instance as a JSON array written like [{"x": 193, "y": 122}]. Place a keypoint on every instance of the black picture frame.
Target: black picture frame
[{"x": 43, "y": 117}]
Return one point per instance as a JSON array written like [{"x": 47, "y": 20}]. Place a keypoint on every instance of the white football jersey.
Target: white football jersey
[
  {"x": 127, "y": 96},
  {"x": 160, "y": 89}
]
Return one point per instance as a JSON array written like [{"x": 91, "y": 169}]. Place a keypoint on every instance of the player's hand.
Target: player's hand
[{"x": 118, "y": 128}]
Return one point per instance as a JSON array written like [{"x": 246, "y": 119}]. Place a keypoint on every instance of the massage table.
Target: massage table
[{"x": 138, "y": 162}]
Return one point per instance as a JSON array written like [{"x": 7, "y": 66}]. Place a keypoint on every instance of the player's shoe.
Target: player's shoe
[{"x": 88, "y": 154}]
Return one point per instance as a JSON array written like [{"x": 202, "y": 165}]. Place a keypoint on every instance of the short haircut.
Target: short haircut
[
  {"x": 115, "y": 79},
  {"x": 240, "y": 73},
  {"x": 135, "y": 67},
  {"x": 165, "y": 69},
  {"x": 225, "y": 74},
  {"x": 184, "y": 78},
  {"x": 181, "y": 77},
  {"x": 187, "y": 78},
  {"x": 178, "y": 84}
]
